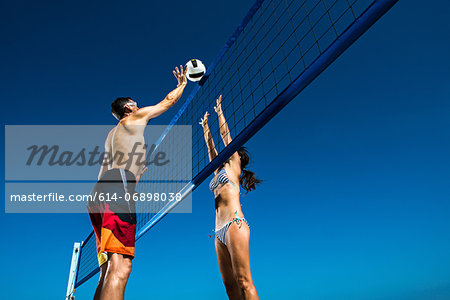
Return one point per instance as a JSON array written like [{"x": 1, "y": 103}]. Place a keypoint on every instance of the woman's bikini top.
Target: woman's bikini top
[{"x": 220, "y": 178}]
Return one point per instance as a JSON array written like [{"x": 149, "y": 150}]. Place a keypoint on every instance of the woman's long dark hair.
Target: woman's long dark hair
[{"x": 248, "y": 179}]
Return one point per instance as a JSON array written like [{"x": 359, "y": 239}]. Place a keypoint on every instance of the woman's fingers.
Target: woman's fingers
[{"x": 204, "y": 119}]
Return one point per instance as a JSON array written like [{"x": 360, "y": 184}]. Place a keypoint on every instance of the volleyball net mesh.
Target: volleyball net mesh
[{"x": 277, "y": 50}]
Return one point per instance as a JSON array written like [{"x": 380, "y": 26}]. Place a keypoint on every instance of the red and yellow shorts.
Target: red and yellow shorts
[{"x": 114, "y": 218}]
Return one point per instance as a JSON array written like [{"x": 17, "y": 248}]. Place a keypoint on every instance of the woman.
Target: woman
[{"x": 232, "y": 230}]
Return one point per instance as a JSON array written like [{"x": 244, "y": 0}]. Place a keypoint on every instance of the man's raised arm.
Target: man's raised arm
[{"x": 149, "y": 112}]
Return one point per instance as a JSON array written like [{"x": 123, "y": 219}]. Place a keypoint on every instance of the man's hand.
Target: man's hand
[
  {"x": 143, "y": 170},
  {"x": 144, "y": 114},
  {"x": 218, "y": 107},
  {"x": 180, "y": 75},
  {"x": 204, "y": 120}
]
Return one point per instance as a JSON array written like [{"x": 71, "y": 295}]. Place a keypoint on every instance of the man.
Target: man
[{"x": 114, "y": 218}]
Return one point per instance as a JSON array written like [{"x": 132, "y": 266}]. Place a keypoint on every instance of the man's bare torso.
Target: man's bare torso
[{"x": 127, "y": 145}]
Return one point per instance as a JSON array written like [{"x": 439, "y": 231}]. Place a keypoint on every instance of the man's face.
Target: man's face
[{"x": 132, "y": 106}]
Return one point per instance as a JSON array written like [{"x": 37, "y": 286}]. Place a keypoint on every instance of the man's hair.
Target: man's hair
[{"x": 118, "y": 107}]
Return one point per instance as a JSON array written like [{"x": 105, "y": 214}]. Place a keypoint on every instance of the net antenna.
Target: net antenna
[{"x": 279, "y": 48}]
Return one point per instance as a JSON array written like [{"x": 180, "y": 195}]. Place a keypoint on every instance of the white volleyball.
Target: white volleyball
[{"x": 195, "y": 70}]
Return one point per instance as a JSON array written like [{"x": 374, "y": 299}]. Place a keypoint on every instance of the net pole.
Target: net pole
[
  {"x": 73, "y": 270},
  {"x": 375, "y": 11}
]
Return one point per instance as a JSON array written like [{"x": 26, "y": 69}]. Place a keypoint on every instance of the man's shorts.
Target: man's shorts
[{"x": 113, "y": 213}]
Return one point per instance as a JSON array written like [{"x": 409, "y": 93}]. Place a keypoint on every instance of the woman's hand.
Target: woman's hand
[
  {"x": 204, "y": 120},
  {"x": 218, "y": 107}
]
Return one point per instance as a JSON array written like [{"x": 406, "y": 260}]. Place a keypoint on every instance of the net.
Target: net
[{"x": 277, "y": 50}]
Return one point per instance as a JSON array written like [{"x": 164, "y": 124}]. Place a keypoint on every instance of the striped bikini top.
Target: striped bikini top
[{"x": 220, "y": 178}]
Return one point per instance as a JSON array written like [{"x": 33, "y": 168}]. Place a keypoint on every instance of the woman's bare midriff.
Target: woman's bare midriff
[{"x": 227, "y": 203}]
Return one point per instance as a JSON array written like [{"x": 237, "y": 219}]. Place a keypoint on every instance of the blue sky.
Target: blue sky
[{"x": 355, "y": 199}]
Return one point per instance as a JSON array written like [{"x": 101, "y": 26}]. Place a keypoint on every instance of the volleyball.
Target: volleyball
[{"x": 195, "y": 70}]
